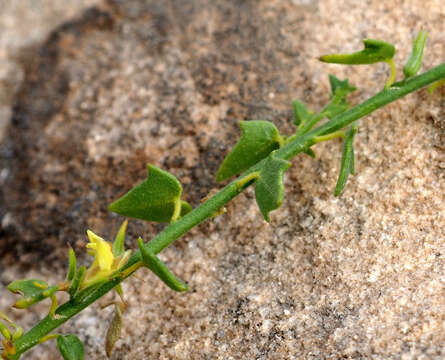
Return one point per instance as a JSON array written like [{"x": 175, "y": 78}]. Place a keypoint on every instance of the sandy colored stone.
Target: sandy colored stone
[
  {"x": 130, "y": 82},
  {"x": 24, "y": 25}
]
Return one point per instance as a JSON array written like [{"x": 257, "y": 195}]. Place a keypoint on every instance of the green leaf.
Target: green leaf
[
  {"x": 347, "y": 161},
  {"x": 375, "y": 51},
  {"x": 32, "y": 291},
  {"x": 77, "y": 280},
  {"x": 70, "y": 347},
  {"x": 301, "y": 113},
  {"x": 258, "y": 139},
  {"x": 340, "y": 89},
  {"x": 269, "y": 187},
  {"x": 72, "y": 267},
  {"x": 414, "y": 61},
  {"x": 156, "y": 199},
  {"x": 160, "y": 269},
  {"x": 119, "y": 241}
]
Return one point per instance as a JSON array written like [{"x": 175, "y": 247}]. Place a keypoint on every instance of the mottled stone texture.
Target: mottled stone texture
[{"x": 166, "y": 82}]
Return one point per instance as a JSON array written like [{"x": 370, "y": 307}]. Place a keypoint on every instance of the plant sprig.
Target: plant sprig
[{"x": 261, "y": 157}]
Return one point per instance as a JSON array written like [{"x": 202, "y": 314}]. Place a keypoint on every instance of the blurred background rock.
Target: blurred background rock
[{"x": 24, "y": 25}]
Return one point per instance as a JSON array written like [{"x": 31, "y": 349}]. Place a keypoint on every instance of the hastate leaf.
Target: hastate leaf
[
  {"x": 259, "y": 138},
  {"x": 340, "y": 88},
  {"x": 269, "y": 186},
  {"x": 374, "y": 51},
  {"x": 301, "y": 112},
  {"x": 70, "y": 347},
  {"x": 32, "y": 290},
  {"x": 156, "y": 199}
]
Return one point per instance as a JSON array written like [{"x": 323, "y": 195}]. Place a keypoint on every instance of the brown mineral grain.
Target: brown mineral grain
[{"x": 124, "y": 83}]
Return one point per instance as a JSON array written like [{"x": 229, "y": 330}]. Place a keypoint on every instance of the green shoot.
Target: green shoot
[
  {"x": 375, "y": 51},
  {"x": 414, "y": 61},
  {"x": 261, "y": 157}
]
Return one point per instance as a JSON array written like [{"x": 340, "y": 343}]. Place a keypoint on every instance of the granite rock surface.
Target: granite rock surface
[{"x": 130, "y": 82}]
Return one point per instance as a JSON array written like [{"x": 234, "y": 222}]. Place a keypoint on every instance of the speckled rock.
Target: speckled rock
[{"x": 131, "y": 82}]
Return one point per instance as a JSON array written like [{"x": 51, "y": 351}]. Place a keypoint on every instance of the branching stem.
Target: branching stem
[{"x": 206, "y": 210}]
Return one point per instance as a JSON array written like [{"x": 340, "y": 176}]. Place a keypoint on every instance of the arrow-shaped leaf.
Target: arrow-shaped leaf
[
  {"x": 160, "y": 269},
  {"x": 347, "y": 161},
  {"x": 32, "y": 291},
  {"x": 340, "y": 88},
  {"x": 269, "y": 186},
  {"x": 301, "y": 112},
  {"x": 374, "y": 51},
  {"x": 156, "y": 199},
  {"x": 70, "y": 347},
  {"x": 259, "y": 138}
]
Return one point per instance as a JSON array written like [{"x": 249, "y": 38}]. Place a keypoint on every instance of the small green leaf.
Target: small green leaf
[
  {"x": 347, "y": 161},
  {"x": 259, "y": 138},
  {"x": 414, "y": 61},
  {"x": 77, "y": 280},
  {"x": 72, "y": 267},
  {"x": 32, "y": 291},
  {"x": 269, "y": 187},
  {"x": 27, "y": 288},
  {"x": 375, "y": 51},
  {"x": 160, "y": 269},
  {"x": 301, "y": 113},
  {"x": 119, "y": 241},
  {"x": 70, "y": 347},
  {"x": 114, "y": 330},
  {"x": 340, "y": 89},
  {"x": 156, "y": 199}
]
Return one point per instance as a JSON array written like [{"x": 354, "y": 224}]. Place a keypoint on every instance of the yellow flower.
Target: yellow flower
[
  {"x": 101, "y": 250},
  {"x": 105, "y": 263}
]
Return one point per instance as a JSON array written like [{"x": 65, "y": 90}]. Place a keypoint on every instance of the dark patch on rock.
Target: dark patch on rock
[
  {"x": 37, "y": 225},
  {"x": 134, "y": 82}
]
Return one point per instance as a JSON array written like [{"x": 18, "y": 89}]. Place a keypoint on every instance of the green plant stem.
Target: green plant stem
[{"x": 216, "y": 202}]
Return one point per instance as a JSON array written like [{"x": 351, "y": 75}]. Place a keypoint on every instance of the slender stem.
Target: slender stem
[{"x": 207, "y": 209}]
